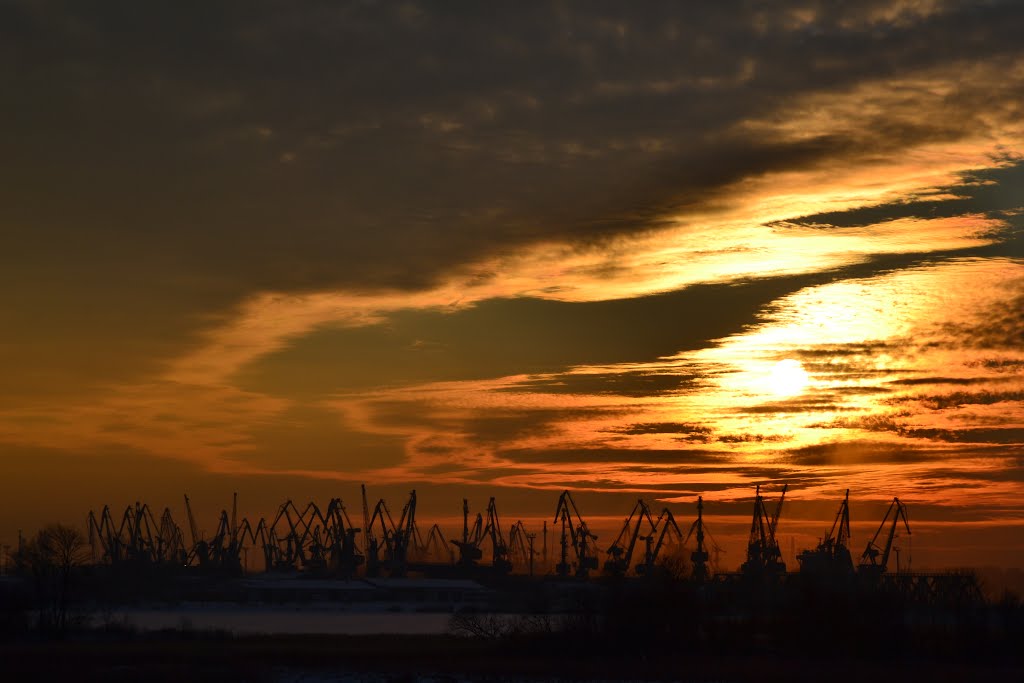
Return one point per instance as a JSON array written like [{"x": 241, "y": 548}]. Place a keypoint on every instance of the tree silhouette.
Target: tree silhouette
[{"x": 50, "y": 559}]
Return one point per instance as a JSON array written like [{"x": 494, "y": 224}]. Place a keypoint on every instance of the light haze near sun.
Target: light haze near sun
[{"x": 788, "y": 378}]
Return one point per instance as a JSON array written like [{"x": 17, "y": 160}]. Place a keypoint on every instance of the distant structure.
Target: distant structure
[
  {"x": 831, "y": 558},
  {"x": 315, "y": 542},
  {"x": 764, "y": 558}
]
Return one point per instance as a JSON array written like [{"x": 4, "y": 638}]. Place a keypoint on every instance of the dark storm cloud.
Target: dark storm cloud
[{"x": 226, "y": 147}]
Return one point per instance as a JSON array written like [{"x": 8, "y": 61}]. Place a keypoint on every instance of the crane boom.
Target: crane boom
[
  {"x": 191, "y": 521},
  {"x": 778, "y": 512}
]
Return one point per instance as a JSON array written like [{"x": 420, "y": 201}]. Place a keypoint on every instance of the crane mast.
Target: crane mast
[{"x": 699, "y": 557}]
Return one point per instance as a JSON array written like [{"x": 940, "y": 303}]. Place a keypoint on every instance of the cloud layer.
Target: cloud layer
[{"x": 535, "y": 245}]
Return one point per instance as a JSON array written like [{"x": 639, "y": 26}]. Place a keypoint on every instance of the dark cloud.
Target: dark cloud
[
  {"x": 684, "y": 428},
  {"x": 518, "y": 336},
  {"x": 1006, "y": 436},
  {"x": 681, "y": 456},
  {"x": 310, "y": 438},
  {"x": 988, "y": 191},
  {"x": 1002, "y": 327},
  {"x": 957, "y": 399},
  {"x": 809, "y": 404},
  {"x": 632, "y": 384},
  {"x": 1006, "y": 365},
  {"x": 488, "y": 427},
  {"x": 194, "y": 153},
  {"x": 163, "y": 161},
  {"x": 857, "y": 452},
  {"x": 963, "y": 381}
]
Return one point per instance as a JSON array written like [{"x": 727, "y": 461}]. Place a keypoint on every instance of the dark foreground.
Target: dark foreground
[
  {"x": 198, "y": 657},
  {"x": 656, "y": 629}
]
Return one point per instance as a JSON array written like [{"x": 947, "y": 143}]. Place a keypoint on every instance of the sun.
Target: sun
[{"x": 788, "y": 378}]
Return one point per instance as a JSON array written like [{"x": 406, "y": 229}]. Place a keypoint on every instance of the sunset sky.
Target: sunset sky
[{"x": 630, "y": 249}]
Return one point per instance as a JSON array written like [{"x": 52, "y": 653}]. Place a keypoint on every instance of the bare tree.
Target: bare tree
[{"x": 51, "y": 558}]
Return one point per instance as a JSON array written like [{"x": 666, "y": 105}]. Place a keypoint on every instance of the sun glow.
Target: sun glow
[{"x": 788, "y": 378}]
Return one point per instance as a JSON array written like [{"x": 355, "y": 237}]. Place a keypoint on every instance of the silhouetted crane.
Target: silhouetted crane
[
  {"x": 764, "y": 558},
  {"x": 832, "y": 555},
  {"x": 665, "y": 529},
  {"x": 575, "y": 535},
  {"x": 699, "y": 557},
  {"x": 875, "y": 559},
  {"x": 621, "y": 550},
  {"x": 469, "y": 546}
]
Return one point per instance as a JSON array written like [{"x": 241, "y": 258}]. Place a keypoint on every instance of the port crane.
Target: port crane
[
  {"x": 286, "y": 538},
  {"x": 139, "y": 538},
  {"x": 665, "y": 529},
  {"x": 436, "y": 547},
  {"x": 499, "y": 549},
  {"x": 575, "y": 535},
  {"x": 620, "y": 553},
  {"x": 397, "y": 539},
  {"x": 520, "y": 546},
  {"x": 832, "y": 555},
  {"x": 344, "y": 557},
  {"x": 699, "y": 556},
  {"x": 875, "y": 559},
  {"x": 223, "y": 552},
  {"x": 764, "y": 558},
  {"x": 404, "y": 537},
  {"x": 469, "y": 546},
  {"x": 470, "y": 550}
]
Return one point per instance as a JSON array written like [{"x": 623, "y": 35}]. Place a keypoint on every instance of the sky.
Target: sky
[{"x": 653, "y": 250}]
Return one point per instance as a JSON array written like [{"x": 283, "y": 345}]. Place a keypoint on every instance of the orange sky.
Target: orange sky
[{"x": 635, "y": 252}]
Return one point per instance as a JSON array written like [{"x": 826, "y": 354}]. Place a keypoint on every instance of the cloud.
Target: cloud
[{"x": 525, "y": 246}]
